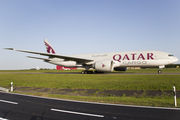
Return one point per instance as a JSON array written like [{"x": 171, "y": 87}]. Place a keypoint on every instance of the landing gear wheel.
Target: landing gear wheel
[
  {"x": 97, "y": 72},
  {"x": 159, "y": 71},
  {"x": 90, "y": 72},
  {"x": 87, "y": 72}
]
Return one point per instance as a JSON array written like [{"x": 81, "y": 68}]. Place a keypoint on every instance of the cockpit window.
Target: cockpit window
[{"x": 170, "y": 55}]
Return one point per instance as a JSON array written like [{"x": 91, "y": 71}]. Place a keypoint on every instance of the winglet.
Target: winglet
[
  {"x": 49, "y": 48},
  {"x": 9, "y": 48}
]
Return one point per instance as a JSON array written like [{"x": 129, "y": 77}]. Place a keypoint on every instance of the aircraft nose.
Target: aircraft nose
[
  {"x": 173, "y": 60},
  {"x": 176, "y": 59}
]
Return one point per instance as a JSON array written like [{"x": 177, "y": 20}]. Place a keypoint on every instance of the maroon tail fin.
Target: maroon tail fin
[{"x": 49, "y": 48}]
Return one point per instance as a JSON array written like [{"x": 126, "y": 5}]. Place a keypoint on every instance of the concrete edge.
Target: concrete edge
[{"x": 4, "y": 89}]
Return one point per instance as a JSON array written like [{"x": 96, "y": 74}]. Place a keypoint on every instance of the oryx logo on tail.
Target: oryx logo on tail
[{"x": 49, "y": 47}]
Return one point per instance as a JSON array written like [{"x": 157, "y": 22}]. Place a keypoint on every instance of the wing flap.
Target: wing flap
[{"x": 39, "y": 58}]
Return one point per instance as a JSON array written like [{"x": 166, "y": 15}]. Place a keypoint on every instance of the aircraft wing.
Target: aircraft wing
[{"x": 65, "y": 57}]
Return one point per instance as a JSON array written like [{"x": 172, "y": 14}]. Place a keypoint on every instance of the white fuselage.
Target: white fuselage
[{"x": 125, "y": 59}]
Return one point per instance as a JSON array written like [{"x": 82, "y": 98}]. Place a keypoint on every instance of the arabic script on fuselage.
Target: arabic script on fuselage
[{"x": 99, "y": 55}]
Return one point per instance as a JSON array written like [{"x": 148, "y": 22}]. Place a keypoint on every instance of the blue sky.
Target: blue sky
[{"x": 86, "y": 26}]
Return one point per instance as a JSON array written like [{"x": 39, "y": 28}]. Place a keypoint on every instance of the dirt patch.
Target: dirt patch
[
  {"x": 97, "y": 92},
  {"x": 122, "y": 92}
]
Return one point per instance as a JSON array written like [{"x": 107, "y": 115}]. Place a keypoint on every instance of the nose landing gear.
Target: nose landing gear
[
  {"x": 161, "y": 67},
  {"x": 90, "y": 72}
]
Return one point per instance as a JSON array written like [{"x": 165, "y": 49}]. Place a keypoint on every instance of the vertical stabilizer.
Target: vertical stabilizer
[{"x": 49, "y": 48}]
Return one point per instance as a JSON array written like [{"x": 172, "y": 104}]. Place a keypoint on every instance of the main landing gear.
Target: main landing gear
[
  {"x": 87, "y": 72},
  {"x": 90, "y": 72}
]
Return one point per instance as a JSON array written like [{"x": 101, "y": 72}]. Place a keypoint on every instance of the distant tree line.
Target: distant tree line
[
  {"x": 41, "y": 69},
  {"x": 173, "y": 66},
  {"x": 166, "y": 66}
]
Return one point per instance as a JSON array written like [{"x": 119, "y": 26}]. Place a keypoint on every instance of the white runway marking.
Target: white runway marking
[
  {"x": 72, "y": 112},
  {"x": 8, "y": 102}
]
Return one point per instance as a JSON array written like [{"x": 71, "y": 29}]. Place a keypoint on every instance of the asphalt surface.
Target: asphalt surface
[
  {"x": 97, "y": 73},
  {"x": 24, "y": 107}
]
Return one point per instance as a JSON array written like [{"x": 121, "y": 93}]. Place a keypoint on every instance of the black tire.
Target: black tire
[
  {"x": 159, "y": 71},
  {"x": 85, "y": 72}
]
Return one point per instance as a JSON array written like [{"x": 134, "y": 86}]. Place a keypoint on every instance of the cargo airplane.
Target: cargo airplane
[{"x": 106, "y": 62}]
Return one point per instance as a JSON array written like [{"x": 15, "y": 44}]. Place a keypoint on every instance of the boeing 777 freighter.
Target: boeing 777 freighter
[{"x": 106, "y": 62}]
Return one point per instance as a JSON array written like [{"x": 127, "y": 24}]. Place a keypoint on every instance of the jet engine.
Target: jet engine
[
  {"x": 104, "y": 66},
  {"x": 64, "y": 64},
  {"x": 120, "y": 68}
]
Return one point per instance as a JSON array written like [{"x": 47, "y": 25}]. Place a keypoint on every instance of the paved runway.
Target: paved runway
[
  {"x": 24, "y": 107},
  {"x": 90, "y": 74}
]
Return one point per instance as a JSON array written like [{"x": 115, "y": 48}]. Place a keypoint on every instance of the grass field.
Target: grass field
[
  {"x": 151, "y": 70},
  {"x": 101, "y": 82}
]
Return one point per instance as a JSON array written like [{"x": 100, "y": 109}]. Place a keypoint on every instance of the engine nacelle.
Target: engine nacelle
[
  {"x": 120, "y": 68},
  {"x": 64, "y": 64},
  {"x": 104, "y": 66}
]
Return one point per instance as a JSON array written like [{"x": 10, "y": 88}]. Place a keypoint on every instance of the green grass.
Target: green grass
[{"x": 93, "y": 81}]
